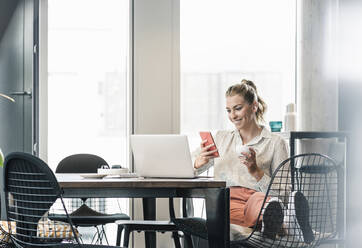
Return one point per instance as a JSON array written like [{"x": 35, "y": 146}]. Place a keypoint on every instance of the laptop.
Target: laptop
[{"x": 162, "y": 156}]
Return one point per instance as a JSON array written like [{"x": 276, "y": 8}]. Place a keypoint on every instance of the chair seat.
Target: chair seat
[
  {"x": 148, "y": 225},
  {"x": 83, "y": 246},
  {"x": 85, "y": 216},
  {"x": 192, "y": 226},
  {"x": 234, "y": 244},
  {"x": 100, "y": 246}
]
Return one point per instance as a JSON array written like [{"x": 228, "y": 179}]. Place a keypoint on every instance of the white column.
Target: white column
[
  {"x": 156, "y": 66},
  {"x": 317, "y": 93},
  {"x": 156, "y": 83}
]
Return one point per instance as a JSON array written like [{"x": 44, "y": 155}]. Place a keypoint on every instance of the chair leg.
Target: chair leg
[
  {"x": 96, "y": 234},
  {"x": 105, "y": 235},
  {"x": 119, "y": 235},
  {"x": 99, "y": 235},
  {"x": 126, "y": 236},
  {"x": 188, "y": 241},
  {"x": 176, "y": 239}
]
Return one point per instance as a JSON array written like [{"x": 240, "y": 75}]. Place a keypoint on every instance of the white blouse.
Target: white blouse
[{"x": 271, "y": 149}]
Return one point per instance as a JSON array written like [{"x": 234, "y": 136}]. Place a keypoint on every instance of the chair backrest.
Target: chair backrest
[
  {"x": 31, "y": 189},
  {"x": 80, "y": 163},
  {"x": 320, "y": 180}
]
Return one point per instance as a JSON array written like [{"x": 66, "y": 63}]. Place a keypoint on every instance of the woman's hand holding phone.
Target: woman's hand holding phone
[{"x": 207, "y": 152}]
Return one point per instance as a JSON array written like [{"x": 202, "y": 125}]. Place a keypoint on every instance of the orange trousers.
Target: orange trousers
[{"x": 245, "y": 205}]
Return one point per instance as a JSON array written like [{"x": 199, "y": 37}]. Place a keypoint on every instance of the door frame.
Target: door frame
[
  {"x": 42, "y": 88},
  {"x": 35, "y": 97}
]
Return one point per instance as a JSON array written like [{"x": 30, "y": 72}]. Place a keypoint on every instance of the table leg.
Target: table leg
[
  {"x": 292, "y": 153},
  {"x": 218, "y": 217},
  {"x": 149, "y": 213}
]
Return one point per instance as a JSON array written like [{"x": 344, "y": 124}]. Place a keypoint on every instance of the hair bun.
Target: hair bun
[{"x": 249, "y": 83}]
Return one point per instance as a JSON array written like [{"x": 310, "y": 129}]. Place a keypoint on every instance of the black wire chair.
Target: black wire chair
[
  {"x": 155, "y": 226},
  {"x": 303, "y": 182},
  {"x": 31, "y": 189},
  {"x": 84, "y": 215}
]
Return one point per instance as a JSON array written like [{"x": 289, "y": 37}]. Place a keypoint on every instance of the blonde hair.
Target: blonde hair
[{"x": 248, "y": 91}]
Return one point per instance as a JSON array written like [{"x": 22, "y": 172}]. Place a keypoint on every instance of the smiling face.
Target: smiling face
[{"x": 240, "y": 112}]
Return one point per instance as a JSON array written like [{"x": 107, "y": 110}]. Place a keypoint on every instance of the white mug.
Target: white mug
[{"x": 244, "y": 149}]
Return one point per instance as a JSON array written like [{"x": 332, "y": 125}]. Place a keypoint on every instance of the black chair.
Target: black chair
[
  {"x": 153, "y": 226},
  {"x": 315, "y": 181},
  {"x": 84, "y": 215},
  {"x": 31, "y": 189}
]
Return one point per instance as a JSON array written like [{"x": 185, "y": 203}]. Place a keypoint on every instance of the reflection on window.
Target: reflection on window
[
  {"x": 87, "y": 81},
  {"x": 225, "y": 41}
]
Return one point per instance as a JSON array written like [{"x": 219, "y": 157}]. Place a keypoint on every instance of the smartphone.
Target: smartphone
[{"x": 210, "y": 140}]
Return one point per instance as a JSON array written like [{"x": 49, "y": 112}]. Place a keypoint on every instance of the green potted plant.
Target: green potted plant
[
  {"x": 1, "y": 154},
  {"x": 1, "y": 158}
]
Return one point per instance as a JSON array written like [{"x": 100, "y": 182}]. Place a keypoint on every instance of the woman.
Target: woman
[{"x": 248, "y": 157}]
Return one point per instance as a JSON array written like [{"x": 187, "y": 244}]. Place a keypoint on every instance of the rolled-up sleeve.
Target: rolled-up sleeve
[{"x": 203, "y": 168}]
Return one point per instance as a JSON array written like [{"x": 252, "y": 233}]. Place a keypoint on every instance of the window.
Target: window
[
  {"x": 224, "y": 41},
  {"x": 87, "y": 81}
]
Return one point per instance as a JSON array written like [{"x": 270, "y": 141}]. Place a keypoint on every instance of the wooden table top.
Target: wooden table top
[{"x": 76, "y": 181}]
